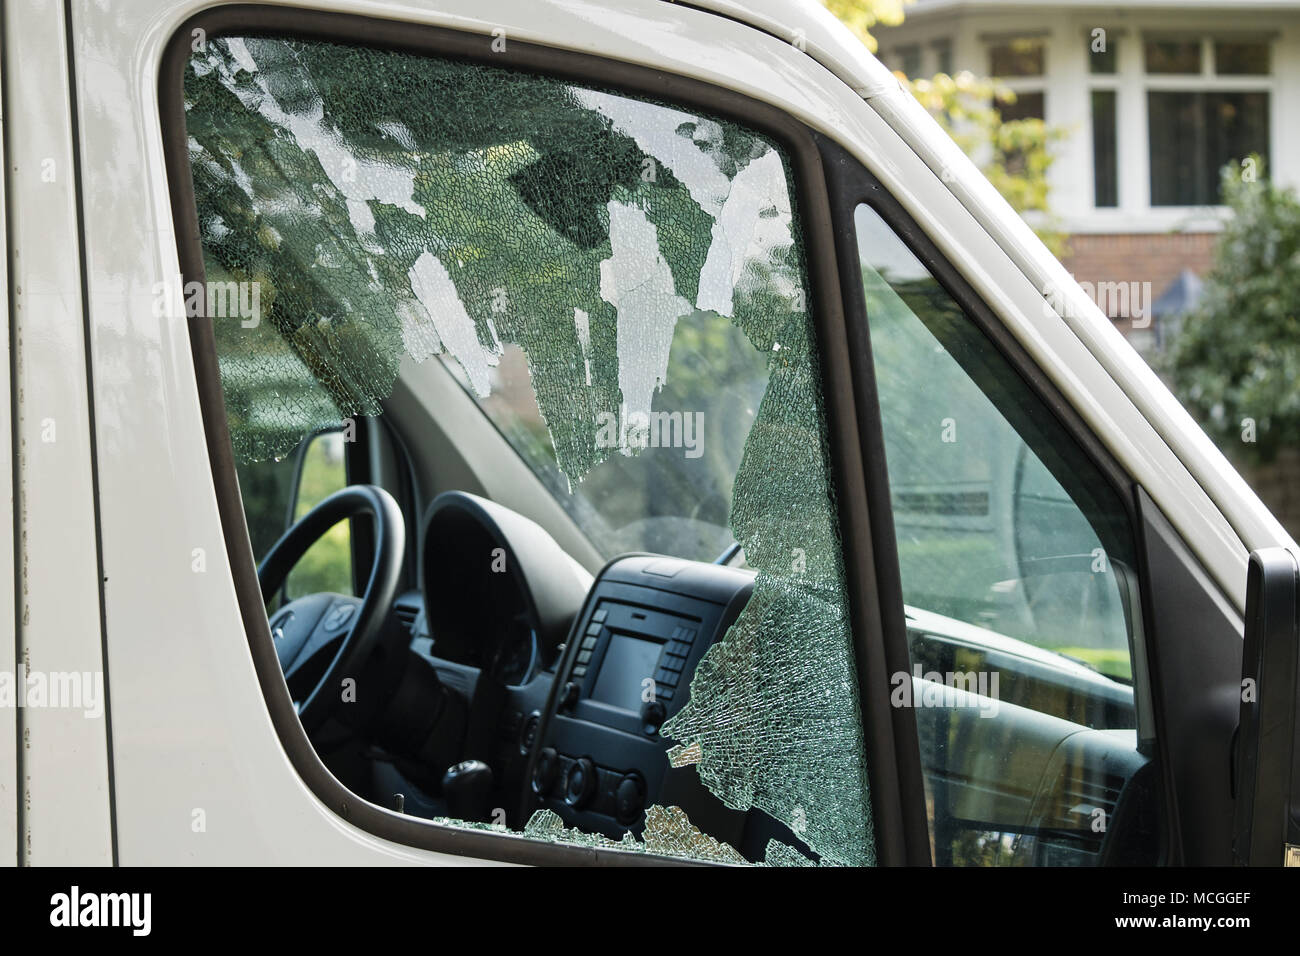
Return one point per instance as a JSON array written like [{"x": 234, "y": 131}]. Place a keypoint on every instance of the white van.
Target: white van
[{"x": 573, "y": 432}]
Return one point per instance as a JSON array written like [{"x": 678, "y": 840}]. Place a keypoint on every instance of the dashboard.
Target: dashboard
[
  {"x": 558, "y": 686},
  {"x": 579, "y": 730},
  {"x": 599, "y": 758}
]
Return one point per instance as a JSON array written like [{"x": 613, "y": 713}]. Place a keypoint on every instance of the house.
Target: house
[{"x": 1155, "y": 97}]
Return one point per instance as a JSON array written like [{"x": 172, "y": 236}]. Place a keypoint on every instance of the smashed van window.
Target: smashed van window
[{"x": 387, "y": 205}]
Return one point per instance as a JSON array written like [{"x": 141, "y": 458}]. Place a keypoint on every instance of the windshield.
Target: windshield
[{"x": 668, "y": 487}]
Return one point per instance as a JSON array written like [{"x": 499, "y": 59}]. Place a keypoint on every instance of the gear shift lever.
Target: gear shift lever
[{"x": 468, "y": 787}]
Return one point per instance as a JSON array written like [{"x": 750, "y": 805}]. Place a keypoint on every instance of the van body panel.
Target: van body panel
[
  {"x": 66, "y": 814},
  {"x": 10, "y": 781}
]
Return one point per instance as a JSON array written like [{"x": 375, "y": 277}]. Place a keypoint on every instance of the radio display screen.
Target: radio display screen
[{"x": 628, "y": 661}]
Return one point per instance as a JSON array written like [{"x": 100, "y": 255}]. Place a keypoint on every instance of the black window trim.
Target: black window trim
[{"x": 895, "y": 842}]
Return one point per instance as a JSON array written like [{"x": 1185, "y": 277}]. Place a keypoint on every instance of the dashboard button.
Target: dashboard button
[
  {"x": 629, "y": 799},
  {"x": 580, "y": 783},
  {"x": 340, "y": 615},
  {"x": 600, "y": 615}
]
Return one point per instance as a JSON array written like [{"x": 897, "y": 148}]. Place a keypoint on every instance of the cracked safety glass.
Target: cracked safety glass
[{"x": 620, "y": 286}]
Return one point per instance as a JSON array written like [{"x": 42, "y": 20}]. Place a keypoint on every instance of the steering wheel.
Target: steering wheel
[{"x": 345, "y": 631}]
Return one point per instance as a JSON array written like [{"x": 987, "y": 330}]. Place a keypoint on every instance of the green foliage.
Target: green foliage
[
  {"x": 265, "y": 487},
  {"x": 1014, "y": 155},
  {"x": 861, "y": 15},
  {"x": 1236, "y": 360}
]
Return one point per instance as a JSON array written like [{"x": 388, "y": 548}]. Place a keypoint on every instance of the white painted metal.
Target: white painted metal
[
  {"x": 8, "y": 639},
  {"x": 190, "y": 729},
  {"x": 64, "y": 757}
]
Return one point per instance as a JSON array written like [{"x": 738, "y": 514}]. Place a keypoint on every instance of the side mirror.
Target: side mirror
[{"x": 1266, "y": 830}]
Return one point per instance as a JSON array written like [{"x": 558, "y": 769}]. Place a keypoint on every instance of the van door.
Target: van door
[{"x": 211, "y": 762}]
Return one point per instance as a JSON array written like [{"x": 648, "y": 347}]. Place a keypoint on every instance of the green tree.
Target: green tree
[
  {"x": 1235, "y": 364},
  {"x": 1014, "y": 155},
  {"x": 861, "y": 15}
]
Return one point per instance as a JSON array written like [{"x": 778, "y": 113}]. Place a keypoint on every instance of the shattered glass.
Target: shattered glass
[
  {"x": 386, "y": 204},
  {"x": 667, "y": 832}
]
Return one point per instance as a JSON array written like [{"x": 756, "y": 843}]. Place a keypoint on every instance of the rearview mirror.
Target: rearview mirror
[{"x": 1266, "y": 830}]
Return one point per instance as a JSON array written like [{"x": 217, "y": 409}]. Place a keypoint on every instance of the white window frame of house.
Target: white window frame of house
[
  {"x": 1020, "y": 84},
  {"x": 928, "y": 56},
  {"x": 1114, "y": 83},
  {"x": 1132, "y": 83},
  {"x": 934, "y": 51},
  {"x": 1208, "y": 81},
  {"x": 1072, "y": 200},
  {"x": 896, "y": 56}
]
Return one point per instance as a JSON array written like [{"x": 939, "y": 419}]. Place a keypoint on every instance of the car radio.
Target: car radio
[{"x": 599, "y": 758}]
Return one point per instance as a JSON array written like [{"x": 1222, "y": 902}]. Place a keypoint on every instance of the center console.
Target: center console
[{"x": 598, "y": 758}]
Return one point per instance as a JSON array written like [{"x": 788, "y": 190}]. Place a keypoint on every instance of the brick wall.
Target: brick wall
[{"x": 1157, "y": 258}]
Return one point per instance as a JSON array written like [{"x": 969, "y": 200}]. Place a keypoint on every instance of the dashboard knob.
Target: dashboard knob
[
  {"x": 569, "y": 696},
  {"x": 468, "y": 789},
  {"x": 545, "y": 770},
  {"x": 528, "y": 735},
  {"x": 653, "y": 714},
  {"x": 629, "y": 799},
  {"x": 581, "y": 783}
]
